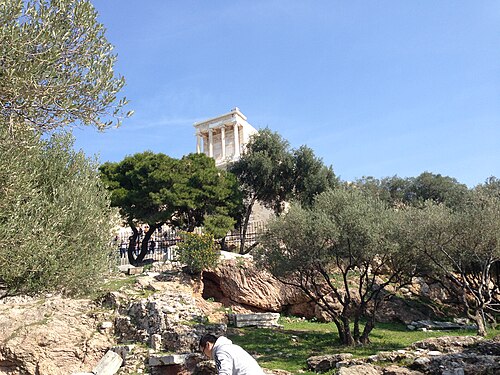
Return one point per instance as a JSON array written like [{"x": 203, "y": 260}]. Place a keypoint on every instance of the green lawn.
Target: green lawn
[{"x": 289, "y": 348}]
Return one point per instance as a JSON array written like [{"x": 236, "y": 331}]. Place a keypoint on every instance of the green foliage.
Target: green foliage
[
  {"x": 218, "y": 225},
  {"x": 416, "y": 190},
  {"x": 198, "y": 252},
  {"x": 271, "y": 173},
  {"x": 265, "y": 170},
  {"x": 438, "y": 188},
  {"x": 491, "y": 186},
  {"x": 57, "y": 66},
  {"x": 311, "y": 176},
  {"x": 343, "y": 244},
  {"x": 55, "y": 219},
  {"x": 460, "y": 245},
  {"x": 142, "y": 186},
  {"x": 155, "y": 188},
  {"x": 203, "y": 190},
  {"x": 56, "y": 70}
]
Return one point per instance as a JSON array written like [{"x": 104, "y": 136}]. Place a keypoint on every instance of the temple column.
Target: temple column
[
  {"x": 223, "y": 141},
  {"x": 211, "y": 143},
  {"x": 236, "y": 141},
  {"x": 198, "y": 143}
]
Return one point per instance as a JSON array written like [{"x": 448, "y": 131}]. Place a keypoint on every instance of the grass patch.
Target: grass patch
[
  {"x": 118, "y": 283},
  {"x": 113, "y": 284},
  {"x": 288, "y": 349}
]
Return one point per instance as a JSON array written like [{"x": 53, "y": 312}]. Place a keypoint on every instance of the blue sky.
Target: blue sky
[{"x": 375, "y": 88}]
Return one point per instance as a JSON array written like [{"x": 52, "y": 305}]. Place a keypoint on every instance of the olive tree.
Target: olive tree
[
  {"x": 342, "y": 252},
  {"x": 56, "y": 66},
  {"x": 463, "y": 246},
  {"x": 56, "y": 71},
  {"x": 55, "y": 219}
]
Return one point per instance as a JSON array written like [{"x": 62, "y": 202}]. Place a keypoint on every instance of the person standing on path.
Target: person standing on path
[{"x": 230, "y": 359}]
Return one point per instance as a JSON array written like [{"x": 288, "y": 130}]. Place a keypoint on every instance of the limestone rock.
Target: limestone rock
[
  {"x": 240, "y": 282},
  {"x": 276, "y": 372},
  {"x": 465, "y": 363},
  {"x": 123, "y": 351},
  {"x": 323, "y": 363},
  {"x": 50, "y": 336},
  {"x": 165, "y": 360},
  {"x": 432, "y": 325},
  {"x": 396, "y": 370},
  {"x": 397, "y": 310},
  {"x": 360, "y": 370},
  {"x": 113, "y": 300},
  {"x": 262, "y": 320},
  {"x": 109, "y": 364},
  {"x": 447, "y": 344}
]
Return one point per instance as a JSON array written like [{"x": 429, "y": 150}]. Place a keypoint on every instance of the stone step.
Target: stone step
[
  {"x": 167, "y": 359},
  {"x": 254, "y": 320},
  {"x": 109, "y": 364}
]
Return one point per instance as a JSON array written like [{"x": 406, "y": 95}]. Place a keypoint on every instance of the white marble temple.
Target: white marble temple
[{"x": 223, "y": 137}]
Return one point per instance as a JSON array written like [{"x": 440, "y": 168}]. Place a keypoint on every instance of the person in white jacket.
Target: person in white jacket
[{"x": 230, "y": 359}]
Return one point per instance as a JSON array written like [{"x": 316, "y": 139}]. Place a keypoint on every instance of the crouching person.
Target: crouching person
[{"x": 230, "y": 359}]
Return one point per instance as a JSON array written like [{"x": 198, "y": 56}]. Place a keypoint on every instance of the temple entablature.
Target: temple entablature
[{"x": 223, "y": 137}]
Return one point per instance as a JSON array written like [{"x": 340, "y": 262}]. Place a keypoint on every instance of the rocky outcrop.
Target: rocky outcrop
[
  {"x": 450, "y": 355},
  {"x": 399, "y": 310},
  {"x": 458, "y": 355},
  {"x": 165, "y": 312},
  {"x": 51, "y": 336},
  {"x": 169, "y": 320},
  {"x": 238, "y": 283},
  {"x": 360, "y": 370},
  {"x": 323, "y": 363},
  {"x": 54, "y": 335}
]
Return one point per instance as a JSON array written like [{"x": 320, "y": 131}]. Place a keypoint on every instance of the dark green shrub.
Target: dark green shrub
[
  {"x": 55, "y": 218},
  {"x": 218, "y": 225}
]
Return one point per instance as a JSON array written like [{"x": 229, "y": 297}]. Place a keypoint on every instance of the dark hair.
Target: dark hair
[{"x": 207, "y": 338}]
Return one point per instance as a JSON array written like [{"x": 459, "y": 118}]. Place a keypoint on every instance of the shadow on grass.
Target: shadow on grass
[{"x": 395, "y": 327}]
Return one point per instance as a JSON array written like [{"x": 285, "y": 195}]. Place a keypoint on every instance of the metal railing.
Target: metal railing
[{"x": 162, "y": 245}]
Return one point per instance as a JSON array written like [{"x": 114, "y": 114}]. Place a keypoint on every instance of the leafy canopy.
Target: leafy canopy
[
  {"x": 155, "y": 189},
  {"x": 265, "y": 170},
  {"x": 346, "y": 245},
  {"x": 142, "y": 186},
  {"x": 198, "y": 252},
  {"x": 416, "y": 190},
  {"x": 463, "y": 246},
  {"x": 271, "y": 173},
  {"x": 204, "y": 191},
  {"x": 57, "y": 66},
  {"x": 55, "y": 218}
]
